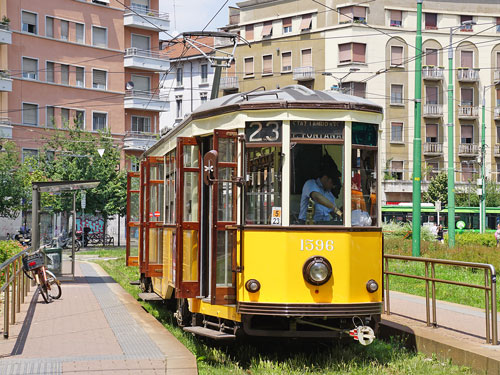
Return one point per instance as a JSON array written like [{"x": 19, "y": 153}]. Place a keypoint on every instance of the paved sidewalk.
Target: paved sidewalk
[{"x": 95, "y": 328}]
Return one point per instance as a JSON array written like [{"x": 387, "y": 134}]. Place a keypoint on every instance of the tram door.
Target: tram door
[
  {"x": 187, "y": 280},
  {"x": 132, "y": 219},
  {"x": 151, "y": 207},
  {"x": 222, "y": 238}
]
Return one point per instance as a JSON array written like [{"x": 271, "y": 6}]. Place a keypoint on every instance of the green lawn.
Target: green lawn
[{"x": 287, "y": 356}]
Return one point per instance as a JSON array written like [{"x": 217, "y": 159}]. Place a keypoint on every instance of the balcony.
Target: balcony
[
  {"x": 142, "y": 17},
  {"x": 5, "y": 128},
  {"x": 433, "y": 148},
  {"x": 146, "y": 60},
  {"x": 138, "y": 141},
  {"x": 145, "y": 101},
  {"x": 432, "y": 73},
  {"x": 468, "y": 74},
  {"x": 397, "y": 186},
  {"x": 497, "y": 150},
  {"x": 468, "y": 149},
  {"x": 5, "y": 34},
  {"x": 5, "y": 82},
  {"x": 497, "y": 113},
  {"x": 304, "y": 73},
  {"x": 229, "y": 83},
  {"x": 433, "y": 110},
  {"x": 468, "y": 111}
]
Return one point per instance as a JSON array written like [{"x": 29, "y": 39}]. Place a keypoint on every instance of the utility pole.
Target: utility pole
[
  {"x": 417, "y": 141},
  {"x": 451, "y": 151},
  {"x": 482, "y": 204}
]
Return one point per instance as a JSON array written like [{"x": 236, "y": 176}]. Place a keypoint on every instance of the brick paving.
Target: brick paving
[{"x": 95, "y": 328}]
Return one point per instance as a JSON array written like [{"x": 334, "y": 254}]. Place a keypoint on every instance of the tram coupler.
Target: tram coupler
[{"x": 363, "y": 334}]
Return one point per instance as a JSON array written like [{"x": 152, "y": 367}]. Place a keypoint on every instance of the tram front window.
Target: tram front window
[{"x": 316, "y": 196}]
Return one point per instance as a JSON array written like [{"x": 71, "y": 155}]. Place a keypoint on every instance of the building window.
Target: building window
[
  {"x": 397, "y": 170},
  {"x": 141, "y": 83},
  {"x": 466, "y": 59},
  {"x": 354, "y": 88},
  {"x": 286, "y": 62},
  {"x": 466, "y": 134},
  {"x": 397, "y": 94},
  {"x": 179, "y": 77},
  {"x": 287, "y": 25},
  {"x": 433, "y": 169},
  {"x": 267, "y": 29},
  {"x": 28, "y": 21},
  {"x": 431, "y": 133},
  {"x": 134, "y": 166},
  {"x": 65, "y": 117},
  {"x": 29, "y": 153},
  {"x": 498, "y": 24},
  {"x": 178, "y": 102},
  {"x": 203, "y": 97},
  {"x": 99, "y": 121},
  {"x": 249, "y": 32},
  {"x": 49, "y": 27},
  {"x": 141, "y": 124},
  {"x": 30, "y": 68},
  {"x": 396, "y": 18},
  {"x": 99, "y": 79},
  {"x": 30, "y": 114},
  {"x": 431, "y": 95},
  {"x": 80, "y": 76},
  {"x": 430, "y": 21},
  {"x": 140, "y": 42},
  {"x": 466, "y": 27},
  {"x": 306, "y": 23},
  {"x": 498, "y": 134},
  {"x": 352, "y": 14},
  {"x": 64, "y": 30},
  {"x": 248, "y": 66},
  {"x": 467, "y": 96},
  {"x": 397, "y": 132},
  {"x": 51, "y": 121},
  {"x": 267, "y": 64},
  {"x": 397, "y": 56},
  {"x": 50, "y": 72},
  {"x": 79, "y": 119},
  {"x": 306, "y": 57},
  {"x": 204, "y": 73},
  {"x": 352, "y": 52},
  {"x": 498, "y": 172},
  {"x": 467, "y": 171},
  {"x": 80, "y": 33},
  {"x": 65, "y": 74},
  {"x": 431, "y": 57},
  {"x": 99, "y": 36}
]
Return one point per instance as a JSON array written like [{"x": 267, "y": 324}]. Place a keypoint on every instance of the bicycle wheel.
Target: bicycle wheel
[
  {"x": 45, "y": 293},
  {"x": 55, "y": 290}
]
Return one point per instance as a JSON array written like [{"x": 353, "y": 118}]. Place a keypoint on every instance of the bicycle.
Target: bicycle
[{"x": 47, "y": 283}]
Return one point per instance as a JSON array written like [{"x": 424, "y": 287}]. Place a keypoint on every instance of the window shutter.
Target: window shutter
[
  {"x": 358, "y": 52},
  {"x": 267, "y": 62},
  {"x": 249, "y": 66},
  {"x": 30, "y": 114},
  {"x": 80, "y": 33},
  {"x": 267, "y": 30},
  {"x": 64, "y": 30},
  {"x": 306, "y": 57},
  {"x": 397, "y": 165},
  {"x": 431, "y": 94},
  {"x": 431, "y": 57},
  {"x": 466, "y": 58},
  {"x": 50, "y": 72},
  {"x": 286, "y": 61},
  {"x": 64, "y": 74},
  {"x": 140, "y": 42},
  {"x": 498, "y": 97},
  {"x": 144, "y": 3},
  {"x": 49, "y": 27},
  {"x": 345, "y": 52},
  {"x": 99, "y": 36},
  {"x": 396, "y": 94},
  {"x": 29, "y": 18},
  {"x": 141, "y": 83},
  {"x": 30, "y": 68},
  {"x": 249, "y": 32},
  {"x": 99, "y": 79},
  {"x": 359, "y": 12},
  {"x": 431, "y": 131},
  {"x": 79, "y": 76},
  {"x": 466, "y": 131},
  {"x": 396, "y": 55},
  {"x": 430, "y": 20},
  {"x": 50, "y": 117},
  {"x": 498, "y": 134},
  {"x": 306, "y": 22},
  {"x": 396, "y": 15},
  {"x": 397, "y": 131},
  {"x": 345, "y": 14},
  {"x": 467, "y": 96},
  {"x": 287, "y": 22}
]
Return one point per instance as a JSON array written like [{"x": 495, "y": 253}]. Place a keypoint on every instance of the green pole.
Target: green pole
[
  {"x": 483, "y": 160},
  {"x": 451, "y": 164},
  {"x": 417, "y": 141}
]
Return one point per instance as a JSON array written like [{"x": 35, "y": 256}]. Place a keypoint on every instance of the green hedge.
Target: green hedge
[
  {"x": 9, "y": 249},
  {"x": 471, "y": 238}
]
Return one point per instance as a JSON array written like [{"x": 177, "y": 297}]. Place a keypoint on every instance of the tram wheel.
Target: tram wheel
[{"x": 183, "y": 315}]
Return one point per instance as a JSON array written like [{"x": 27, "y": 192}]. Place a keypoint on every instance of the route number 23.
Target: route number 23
[
  {"x": 317, "y": 245},
  {"x": 263, "y": 131}
]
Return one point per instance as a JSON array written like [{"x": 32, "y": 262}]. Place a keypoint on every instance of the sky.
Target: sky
[{"x": 193, "y": 15}]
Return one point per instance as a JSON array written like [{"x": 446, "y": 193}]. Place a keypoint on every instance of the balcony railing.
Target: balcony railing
[
  {"x": 432, "y": 72},
  {"x": 304, "y": 73},
  {"x": 433, "y": 110},
  {"x": 433, "y": 148},
  {"x": 229, "y": 83},
  {"x": 468, "y": 149},
  {"x": 139, "y": 141},
  {"x": 5, "y": 34},
  {"x": 144, "y": 53},
  {"x": 468, "y": 74},
  {"x": 145, "y": 59},
  {"x": 496, "y": 76},
  {"x": 147, "y": 11},
  {"x": 497, "y": 113},
  {"x": 497, "y": 150},
  {"x": 468, "y": 111},
  {"x": 145, "y": 100},
  {"x": 143, "y": 17},
  {"x": 5, "y": 128}
]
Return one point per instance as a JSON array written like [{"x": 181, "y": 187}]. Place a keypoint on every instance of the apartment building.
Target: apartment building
[
  {"x": 188, "y": 84},
  {"x": 368, "y": 50}
]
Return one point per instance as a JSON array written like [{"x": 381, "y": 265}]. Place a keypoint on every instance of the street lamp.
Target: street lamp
[
  {"x": 482, "y": 198},
  {"x": 451, "y": 163},
  {"x": 341, "y": 79}
]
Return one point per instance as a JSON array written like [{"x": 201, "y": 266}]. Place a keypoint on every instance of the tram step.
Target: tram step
[
  {"x": 150, "y": 297},
  {"x": 136, "y": 282},
  {"x": 207, "y": 332}
]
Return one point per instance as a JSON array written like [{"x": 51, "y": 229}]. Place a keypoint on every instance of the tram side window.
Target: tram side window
[
  {"x": 363, "y": 187},
  {"x": 316, "y": 194},
  {"x": 170, "y": 188},
  {"x": 263, "y": 191}
]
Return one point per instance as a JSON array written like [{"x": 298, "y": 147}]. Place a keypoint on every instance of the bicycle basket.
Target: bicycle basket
[{"x": 30, "y": 262}]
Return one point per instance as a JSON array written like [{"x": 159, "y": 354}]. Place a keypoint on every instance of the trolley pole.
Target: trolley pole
[
  {"x": 451, "y": 163},
  {"x": 417, "y": 141}
]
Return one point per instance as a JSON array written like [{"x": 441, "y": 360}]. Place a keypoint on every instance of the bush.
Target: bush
[
  {"x": 472, "y": 238},
  {"x": 8, "y": 249},
  {"x": 403, "y": 230}
]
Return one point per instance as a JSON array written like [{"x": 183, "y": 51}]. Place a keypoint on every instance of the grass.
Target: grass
[{"x": 291, "y": 357}]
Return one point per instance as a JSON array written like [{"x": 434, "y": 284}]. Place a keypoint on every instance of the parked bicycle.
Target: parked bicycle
[{"x": 47, "y": 283}]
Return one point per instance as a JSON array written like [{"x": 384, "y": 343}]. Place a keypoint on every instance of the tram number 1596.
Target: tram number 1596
[{"x": 317, "y": 245}]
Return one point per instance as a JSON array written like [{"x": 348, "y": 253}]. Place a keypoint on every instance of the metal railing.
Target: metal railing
[
  {"x": 489, "y": 287},
  {"x": 303, "y": 73},
  {"x": 432, "y": 72},
  {"x": 15, "y": 287},
  {"x": 468, "y": 74},
  {"x": 433, "y": 148},
  {"x": 146, "y": 11},
  {"x": 433, "y": 110},
  {"x": 132, "y": 51},
  {"x": 468, "y": 111},
  {"x": 229, "y": 83},
  {"x": 468, "y": 149},
  {"x": 142, "y": 94}
]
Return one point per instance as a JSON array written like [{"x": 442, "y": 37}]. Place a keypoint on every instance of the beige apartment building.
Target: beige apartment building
[
  {"x": 91, "y": 62},
  {"x": 368, "y": 50}
]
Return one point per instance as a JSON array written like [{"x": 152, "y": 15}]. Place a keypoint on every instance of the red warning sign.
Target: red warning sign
[{"x": 157, "y": 213}]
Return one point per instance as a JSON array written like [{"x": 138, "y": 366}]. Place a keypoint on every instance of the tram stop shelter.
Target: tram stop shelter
[{"x": 66, "y": 267}]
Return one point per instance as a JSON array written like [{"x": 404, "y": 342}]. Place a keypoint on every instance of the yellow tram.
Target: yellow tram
[{"x": 220, "y": 217}]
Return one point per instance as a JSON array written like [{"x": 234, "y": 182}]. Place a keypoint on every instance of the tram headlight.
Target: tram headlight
[
  {"x": 252, "y": 286},
  {"x": 372, "y": 286},
  {"x": 317, "y": 270}
]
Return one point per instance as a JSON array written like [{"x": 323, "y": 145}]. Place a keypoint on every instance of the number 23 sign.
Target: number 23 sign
[{"x": 263, "y": 131}]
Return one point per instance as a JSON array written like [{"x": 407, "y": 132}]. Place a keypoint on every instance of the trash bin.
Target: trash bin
[{"x": 53, "y": 257}]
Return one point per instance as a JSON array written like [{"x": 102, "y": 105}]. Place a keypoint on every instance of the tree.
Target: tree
[{"x": 438, "y": 190}]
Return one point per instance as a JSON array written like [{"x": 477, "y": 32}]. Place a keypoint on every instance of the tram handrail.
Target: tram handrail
[
  {"x": 16, "y": 286},
  {"x": 489, "y": 288}
]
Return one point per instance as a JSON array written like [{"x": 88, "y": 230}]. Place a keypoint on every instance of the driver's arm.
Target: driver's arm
[{"x": 319, "y": 198}]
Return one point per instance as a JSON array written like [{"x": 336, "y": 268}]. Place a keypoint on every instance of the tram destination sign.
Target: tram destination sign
[
  {"x": 306, "y": 129},
  {"x": 263, "y": 131}
]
